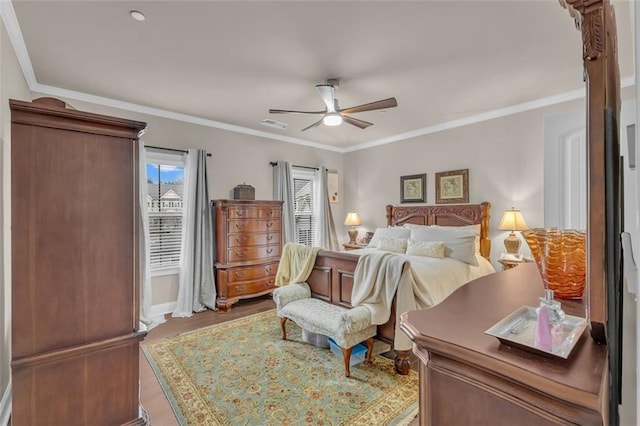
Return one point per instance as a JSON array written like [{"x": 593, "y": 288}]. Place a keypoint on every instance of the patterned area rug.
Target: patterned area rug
[{"x": 242, "y": 373}]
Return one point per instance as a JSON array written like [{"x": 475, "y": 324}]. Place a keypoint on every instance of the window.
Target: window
[
  {"x": 304, "y": 206},
  {"x": 165, "y": 175}
]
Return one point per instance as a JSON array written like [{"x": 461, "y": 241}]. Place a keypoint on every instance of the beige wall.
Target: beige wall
[
  {"x": 236, "y": 158},
  {"x": 505, "y": 158},
  {"x": 12, "y": 86}
]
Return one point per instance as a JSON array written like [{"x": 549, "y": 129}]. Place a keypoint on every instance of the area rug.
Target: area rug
[{"x": 242, "y": 373}]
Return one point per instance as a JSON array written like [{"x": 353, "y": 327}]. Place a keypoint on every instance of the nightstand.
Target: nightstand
[
  {"x": 349, "y": 246},
  {"x": 508, "y": 264}
]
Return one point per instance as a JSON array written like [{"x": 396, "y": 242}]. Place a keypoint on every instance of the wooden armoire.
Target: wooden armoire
[{"x": 74, "y": 240}]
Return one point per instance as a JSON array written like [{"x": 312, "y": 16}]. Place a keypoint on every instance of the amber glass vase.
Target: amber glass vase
[{"x": 561, "y": 259}]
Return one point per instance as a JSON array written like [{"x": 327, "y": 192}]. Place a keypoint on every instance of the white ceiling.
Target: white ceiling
[{"x": 228, "y": 62}]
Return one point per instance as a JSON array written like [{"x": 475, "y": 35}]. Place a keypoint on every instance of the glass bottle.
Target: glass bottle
[{"x": 556, "y": 314}]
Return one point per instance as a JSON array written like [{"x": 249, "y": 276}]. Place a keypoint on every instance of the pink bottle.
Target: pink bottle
[{"x": 543, "y": 330}]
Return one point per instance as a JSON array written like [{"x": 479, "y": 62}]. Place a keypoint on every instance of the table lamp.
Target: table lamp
[
  {"x": 512, "y": 220},
  {"x": 352, "y": 220}
]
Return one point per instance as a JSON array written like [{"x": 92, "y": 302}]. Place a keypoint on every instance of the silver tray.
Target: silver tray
[{"x": 519, "y": 329}]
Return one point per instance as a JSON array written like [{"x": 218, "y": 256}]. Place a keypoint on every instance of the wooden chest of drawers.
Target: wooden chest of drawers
[{"x": 248, "y": 246}]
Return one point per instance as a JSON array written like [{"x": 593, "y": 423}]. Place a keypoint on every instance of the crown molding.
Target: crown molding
[
  {"x": 17, "y": 41},
  {"x": 143, "y": 109},
  {"x": 15, "y": 35}
]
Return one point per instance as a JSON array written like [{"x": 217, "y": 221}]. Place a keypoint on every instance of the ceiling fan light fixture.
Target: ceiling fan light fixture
[{"x": 332, "y": 119}]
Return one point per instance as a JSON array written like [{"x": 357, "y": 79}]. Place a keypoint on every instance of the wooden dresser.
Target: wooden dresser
[
  {"x": 470, "y": 378},
  {"x": 248, "y": 247},
  {"x": 74, "y": 299}
]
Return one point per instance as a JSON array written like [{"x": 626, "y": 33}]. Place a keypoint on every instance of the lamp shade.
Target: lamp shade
[
  {"x": 352, "y": 219},
  {"x": 512, "y": 220}
]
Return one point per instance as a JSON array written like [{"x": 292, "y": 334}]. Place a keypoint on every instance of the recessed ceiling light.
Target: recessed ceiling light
[{"x": 138, "y": 16}]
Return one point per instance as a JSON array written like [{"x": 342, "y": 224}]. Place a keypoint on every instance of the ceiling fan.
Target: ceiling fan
[{"x": 333, "y": 115}]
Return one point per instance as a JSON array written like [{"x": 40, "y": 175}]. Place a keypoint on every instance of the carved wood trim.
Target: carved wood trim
[
  {"x": 589, "y": 18},
  {"x": 460, "y": 214},
  {"x": 596, "y": 21}
]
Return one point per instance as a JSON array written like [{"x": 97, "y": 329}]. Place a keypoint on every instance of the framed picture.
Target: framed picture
[
  {"x": 452, "y": 187},
  {"x": 413, "y": 188}
]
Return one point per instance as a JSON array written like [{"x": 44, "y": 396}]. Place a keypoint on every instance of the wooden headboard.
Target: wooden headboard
[{"x": 446, "y": 215}]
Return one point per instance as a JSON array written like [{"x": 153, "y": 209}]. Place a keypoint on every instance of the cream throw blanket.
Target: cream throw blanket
[
  {"x": 296, "y": 263},
  {"x": 377, "y": 279}
]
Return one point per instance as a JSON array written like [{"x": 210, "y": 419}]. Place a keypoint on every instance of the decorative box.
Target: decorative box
[
  {"x": 244, "y": 192},
  {"x": 357, "y": 354},
  {"x": 315, "y": 339}
]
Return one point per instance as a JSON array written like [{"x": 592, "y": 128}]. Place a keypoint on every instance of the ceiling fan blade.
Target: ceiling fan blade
[
  {"x": 383, "y": 104},
  {"x": 286, "y": 111},
  {"x": 327, "y": 93},
  {"x": 314, "y": 125},
  {"x": 355, "y": 122}
]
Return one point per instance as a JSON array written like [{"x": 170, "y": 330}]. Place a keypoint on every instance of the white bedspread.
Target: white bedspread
[{"x": 423, "y": 283}]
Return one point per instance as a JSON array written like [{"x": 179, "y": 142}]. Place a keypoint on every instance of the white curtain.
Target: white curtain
[
  {"x": 283, "y": 190},
  {"x": 145, "y": 266},
  {"x": 196, "y": 290},
  {"x": 326, "y": 230}
]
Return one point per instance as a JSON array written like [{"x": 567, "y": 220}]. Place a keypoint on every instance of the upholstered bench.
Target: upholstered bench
[{"x": 347, "y": 327}]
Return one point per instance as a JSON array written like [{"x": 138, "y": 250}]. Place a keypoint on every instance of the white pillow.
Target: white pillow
[
  {"x": 413, "y": 225},
  {"x": 473, "y": 228},
  {"x": 459, "y": 244},
  {"x": 426, "y": 248},
  {"x": 395, "y": 232},
  {"x": 397, "y": 245}
]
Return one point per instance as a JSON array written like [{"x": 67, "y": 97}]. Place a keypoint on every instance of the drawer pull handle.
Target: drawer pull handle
[
  {"x": 270, "y": 282},
  {"x": 270, "y": 213},
  {"x": 241, "y": 240},
  {"x": 240, "y": 225},
  {"x": 239, "y": 275},
  {"x": 268, "y": 269},
  {"x": 239, "y": 212},
  {"x": 269, "y": 224},
  {"x": 269, "y": 237},
  {"x": 240, "y": 254},
  {"x": 270, "y": 250}
]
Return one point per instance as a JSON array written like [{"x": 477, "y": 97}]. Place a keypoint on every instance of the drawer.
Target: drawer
[
  {"x": 240, "y": 254},
  {"x": 242, "y": 213},
  {"x": 252, "y": 287},
  {"x": 253, "y": 225},
  {"x": 268, "y": 213},
  {"x": 245, "y": 240},
  {"x": 252, "y": 272}
]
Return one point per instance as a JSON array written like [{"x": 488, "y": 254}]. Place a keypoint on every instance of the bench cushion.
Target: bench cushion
[
  {"x": 347, "y": 327},
  {"x": 294, "y": 291}
]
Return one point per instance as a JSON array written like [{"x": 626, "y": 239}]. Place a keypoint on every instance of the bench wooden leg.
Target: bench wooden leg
[
  {"x": 369, "y": 349},
  {"x": 346, "y": 356},
  {"x": 283, "y": 324}
]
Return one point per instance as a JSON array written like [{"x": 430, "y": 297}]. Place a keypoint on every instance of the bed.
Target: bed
[{"x": 332, "y": 277}]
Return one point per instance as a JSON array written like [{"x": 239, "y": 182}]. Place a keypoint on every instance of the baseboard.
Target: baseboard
[
  {"x": 5, "y": 406},
  {"x": 157, "y": 312}
]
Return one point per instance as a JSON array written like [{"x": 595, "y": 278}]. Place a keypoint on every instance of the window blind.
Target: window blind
[
  {"x": 165, "y": 240},
  {"x": 165, "y": 173},
  {"x": 304, "y": 210}
]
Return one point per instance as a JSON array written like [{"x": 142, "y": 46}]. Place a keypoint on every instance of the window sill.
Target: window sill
[{"x": 164, "y": 272}]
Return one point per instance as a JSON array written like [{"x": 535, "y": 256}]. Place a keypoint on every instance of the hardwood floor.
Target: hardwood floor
[{"x": 152, "y": 396}]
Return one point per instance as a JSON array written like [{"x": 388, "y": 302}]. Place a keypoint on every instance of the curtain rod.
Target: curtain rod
[
  {"x": 170, "y": 149},
  {"x": 273, "y": 163}
]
